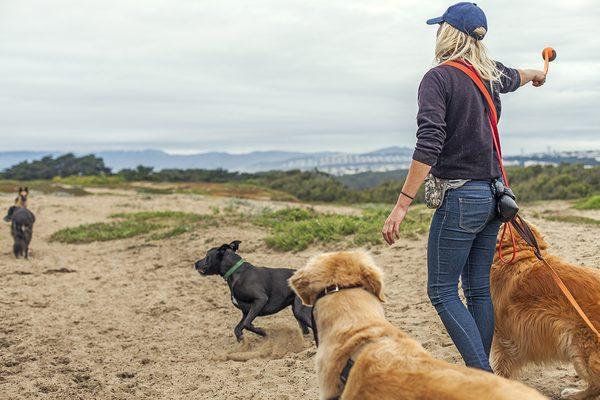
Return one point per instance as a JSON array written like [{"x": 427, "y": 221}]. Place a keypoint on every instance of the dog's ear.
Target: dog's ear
[
  {"x": 26, "y": 190},
  {"x": 20, "y": 190},
  {"x": 373, "y": 280},
  {"x": 235, "y": 245},
  {"x": 300, "y": 283},
  {"x": 221, "y": 251}
]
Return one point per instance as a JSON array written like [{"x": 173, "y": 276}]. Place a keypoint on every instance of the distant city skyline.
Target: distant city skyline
[{"x": 294, "y": 75}]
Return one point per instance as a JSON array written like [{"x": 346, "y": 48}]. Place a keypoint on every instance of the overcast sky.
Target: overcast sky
[{"x": 301, "y": 75}]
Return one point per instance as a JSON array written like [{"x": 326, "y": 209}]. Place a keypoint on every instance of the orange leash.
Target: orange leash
[
  {"x": 559, "y": 282},
  {"x": 506, "y": 227},
  {"x": 528, "y": 236}
]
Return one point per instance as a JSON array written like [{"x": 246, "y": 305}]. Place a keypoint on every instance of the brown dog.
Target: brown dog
[
  {"x": 21, "y": 200},
  {"x": 535, "y": 323},
  {"x": 387, "y": 363}
]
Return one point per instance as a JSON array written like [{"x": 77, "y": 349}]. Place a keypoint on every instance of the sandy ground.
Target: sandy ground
[{"x": 131, "y": 319}]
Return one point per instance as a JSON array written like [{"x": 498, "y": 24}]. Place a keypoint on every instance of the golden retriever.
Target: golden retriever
[
  {"x": 536, "y": 324},
  {"x": 388, "y": 364}
]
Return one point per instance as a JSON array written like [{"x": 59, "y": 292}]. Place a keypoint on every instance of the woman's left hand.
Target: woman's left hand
[{"x": 391, "y": 228}]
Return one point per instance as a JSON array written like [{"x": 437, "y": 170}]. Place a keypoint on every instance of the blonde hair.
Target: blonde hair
[{"x": 453, "y": 44}]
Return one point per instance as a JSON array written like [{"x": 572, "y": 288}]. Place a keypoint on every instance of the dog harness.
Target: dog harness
[{"x": 350, "y": 363}]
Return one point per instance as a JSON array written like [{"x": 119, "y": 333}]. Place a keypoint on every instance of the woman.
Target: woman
[{"x": 454, "y": 144}]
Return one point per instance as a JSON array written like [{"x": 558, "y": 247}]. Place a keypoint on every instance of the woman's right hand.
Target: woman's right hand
[
  {"x": 391, "y": 228},
  {"x": 533, "y": 75}
]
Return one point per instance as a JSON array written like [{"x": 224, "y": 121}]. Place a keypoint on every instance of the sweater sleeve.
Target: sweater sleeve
[
  {"x": 510, "y": 79},
  {"x": 431, "y": 118}
]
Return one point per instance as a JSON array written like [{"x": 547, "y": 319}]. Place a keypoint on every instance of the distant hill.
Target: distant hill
[
  {"x": 162, "y": 160},
  {"x": 365, "y": 180},
  {"x": 10, "y": 158},
  {"x": 335, "y": 163}
]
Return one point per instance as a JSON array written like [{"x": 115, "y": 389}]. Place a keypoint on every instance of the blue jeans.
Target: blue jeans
[{"x": 462, "y": 241}]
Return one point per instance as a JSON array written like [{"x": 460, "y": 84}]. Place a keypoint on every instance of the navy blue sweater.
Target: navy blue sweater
[{"x": 454, "y": 135}]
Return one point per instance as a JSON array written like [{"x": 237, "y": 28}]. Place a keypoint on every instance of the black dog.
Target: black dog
[
  {"x": 256, "y": 291},
  {"x": 21, "y": 229}
]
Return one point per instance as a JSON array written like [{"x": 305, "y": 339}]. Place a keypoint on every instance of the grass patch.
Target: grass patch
[
  {"x": 289, "y": 229},
  {"x": 161, "y": 224},
  {"x": 102, "y": 231},
  {"x": 75, "y": 186},
  {"x": 570, "y": 219},
  {"x": 92, "y": 181},
  {"x": 236, "y": 190},
  {"x": 43, "y": 186},
  {"x": 154, "y": 190},
  {"x": 590, "y": 203},
  {"x": 295, "y": 229}
]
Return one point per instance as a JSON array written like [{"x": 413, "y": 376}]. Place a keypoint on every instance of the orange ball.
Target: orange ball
[{"x": 550, "y": 53}]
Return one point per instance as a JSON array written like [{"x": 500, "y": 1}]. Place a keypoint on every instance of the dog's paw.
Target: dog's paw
[
  {"x": 239, "y": 335},
  {"x": 571, "y": 394},
  {"x": 260, "y": 331}
]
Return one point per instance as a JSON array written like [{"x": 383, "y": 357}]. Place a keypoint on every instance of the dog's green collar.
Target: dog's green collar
[{"x": 231, "y": 270}]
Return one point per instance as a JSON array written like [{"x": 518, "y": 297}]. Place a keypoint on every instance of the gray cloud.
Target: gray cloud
[{"x": 244, "y": 75}]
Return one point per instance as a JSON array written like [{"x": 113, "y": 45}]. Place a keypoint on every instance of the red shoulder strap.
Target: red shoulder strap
[
  {"x": 477, "y": 80},
  {"x": 493, "y": 118},
  {"x": 492, "y": 115}
]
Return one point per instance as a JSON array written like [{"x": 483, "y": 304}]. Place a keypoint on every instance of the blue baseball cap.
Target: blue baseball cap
[{"x": 464, "y": 16}]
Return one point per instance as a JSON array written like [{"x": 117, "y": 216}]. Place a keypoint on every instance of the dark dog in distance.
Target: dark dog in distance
[
  {"x": 256, "y": 291},
  {"x": 22, "y": 221}
]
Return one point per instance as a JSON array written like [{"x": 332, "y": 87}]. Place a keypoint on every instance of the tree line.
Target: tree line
[{"x": 566, "y": 181}]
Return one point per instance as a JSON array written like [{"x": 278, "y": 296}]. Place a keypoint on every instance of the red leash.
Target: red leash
[{"x": 493, "y": 119}]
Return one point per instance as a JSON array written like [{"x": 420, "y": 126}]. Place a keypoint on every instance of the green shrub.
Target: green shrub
[
  {"x": 295, "y": 229},
  {"x": 590, "y": 203}
]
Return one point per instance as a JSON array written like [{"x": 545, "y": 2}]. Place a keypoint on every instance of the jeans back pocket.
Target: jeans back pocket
[{"x": 474, "y": 213}]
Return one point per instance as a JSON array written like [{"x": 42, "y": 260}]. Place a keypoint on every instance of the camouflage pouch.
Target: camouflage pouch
[{"x": 435, "y": 189}]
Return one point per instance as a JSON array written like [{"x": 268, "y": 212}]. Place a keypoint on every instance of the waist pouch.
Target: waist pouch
[
  {"x": 435, "y": 189},
  {"x": 506, "y": 202}
]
